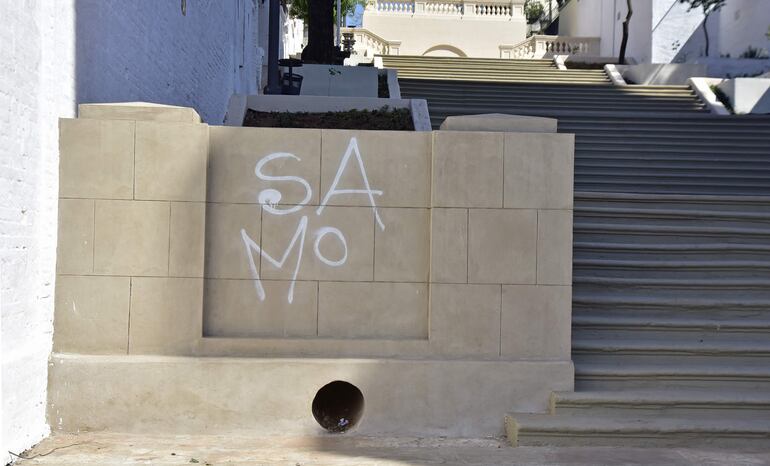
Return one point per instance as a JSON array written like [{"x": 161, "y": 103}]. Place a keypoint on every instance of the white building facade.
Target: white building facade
[
  {"x": 459, "y": 28},
  {"x": 666, "y": 31}
]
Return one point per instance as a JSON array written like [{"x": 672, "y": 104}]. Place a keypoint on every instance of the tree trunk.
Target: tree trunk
[
  {"x": 706, "y": 33},
  {"x": 624, "y": 41},
  {"x": 320, "y": 42}
]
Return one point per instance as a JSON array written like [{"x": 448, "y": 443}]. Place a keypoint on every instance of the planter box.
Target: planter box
[
  {"x": 240, "y": 103},
  {"x": 748, "y": 95}
]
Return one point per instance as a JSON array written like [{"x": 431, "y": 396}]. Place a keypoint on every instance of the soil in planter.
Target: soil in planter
[
  {"x": 583, "y": 66},
  {"x": 399, "y": 119}
]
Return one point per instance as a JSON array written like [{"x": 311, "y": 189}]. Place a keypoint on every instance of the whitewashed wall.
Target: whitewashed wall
[
  {"x": 665, "y": 31},
  {"x": 604, "y": 19},
  {"x": 54, "y": 54},
  {"x": 743, "y": 23},
  {"x": 149, "y": 50},
  {"x": 36, "y": 87}
]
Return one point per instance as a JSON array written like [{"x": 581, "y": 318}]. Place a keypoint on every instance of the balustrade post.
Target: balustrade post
[{"x": 469, "y": 8}]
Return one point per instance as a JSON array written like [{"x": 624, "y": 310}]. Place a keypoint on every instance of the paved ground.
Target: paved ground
[{"x": 114, "y": 449}]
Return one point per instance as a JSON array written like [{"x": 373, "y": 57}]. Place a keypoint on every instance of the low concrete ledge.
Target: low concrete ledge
[
  {"x": 661, "y": 74},
  {"x": 140, "y": 111},
  {"x": 614, "y": 74},
  {"x": 748, "y": 95},
  {"x": 240, "y": 103},
  {"x": 273, "y": 396},
  {"x": 499, "y": 122},
  {"x": 702, "y": 87}
]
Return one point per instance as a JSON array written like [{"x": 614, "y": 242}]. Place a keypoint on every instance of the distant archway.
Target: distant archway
[{"x": 444, "y": 50}]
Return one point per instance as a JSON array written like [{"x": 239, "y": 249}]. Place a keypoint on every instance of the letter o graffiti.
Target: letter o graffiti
[{"x": 323, "y": 232}]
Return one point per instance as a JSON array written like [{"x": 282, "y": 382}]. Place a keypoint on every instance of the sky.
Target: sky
[{"x": 354, "y": 19}]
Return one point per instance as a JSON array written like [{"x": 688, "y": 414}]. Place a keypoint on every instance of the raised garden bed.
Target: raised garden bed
[{"x": 394, "y": 119}]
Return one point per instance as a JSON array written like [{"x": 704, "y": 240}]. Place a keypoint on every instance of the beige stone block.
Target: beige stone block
[
  {"x": 75, "y": 251},
  {"x": 502, "y": 246},
  {"x": 373, "y": 310},
  {"x": 187, "y": 239},
  {"x": 171, "y": 161},
  {"x": 537, "y": 322},
  {"x": 233, "y": 309},
  {"x": 96, "y": 159},
  {"x": 351, "y": 260},
  {"x": 500, "y": 122},
  {"x": 131, "y": 238},
  {"x": 139, "y": 111},
  {"x": 396, "y": 163},
  {"x": 467, "y": 169},
  {"x": 449, "y": 246},
  {"x": 554, "y": 247},
  {"x": 91, "y": 314},
  {"x": 402, "y": 249},
  {"x": 166, "y": 315},
  {"x": 539, "y": 170},
  {"x": 465, "y": 320},
  {"x": 226, "y": 253},
  {"x": 234, "y": 155}
]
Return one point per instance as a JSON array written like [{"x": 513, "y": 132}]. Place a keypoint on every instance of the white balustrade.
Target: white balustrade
[
  {"x": 369, "y": 44},
  {"x": 397, "y": 7},
  {"x": 547, "y": 46},
  {"x": 482, "y": 9},
  {"x": 444, "y": 8}
]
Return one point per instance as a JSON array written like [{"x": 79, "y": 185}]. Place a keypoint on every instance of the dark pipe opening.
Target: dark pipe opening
[{"x": 338, "y": 406}]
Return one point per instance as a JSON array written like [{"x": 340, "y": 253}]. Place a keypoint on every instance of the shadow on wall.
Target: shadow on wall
[
  {"x": 170, "y": 52},
  {"x": 444, "y": 50},
  {"x": 695, "y": 45}
]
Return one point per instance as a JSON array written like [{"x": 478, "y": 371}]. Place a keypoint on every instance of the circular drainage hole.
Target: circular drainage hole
[{"x": 338, "y": 406}]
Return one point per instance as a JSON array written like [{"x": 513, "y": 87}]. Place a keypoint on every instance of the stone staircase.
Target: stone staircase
[
  {"x": 671, "y": 268},
  {"x": 488, "y": 70}
]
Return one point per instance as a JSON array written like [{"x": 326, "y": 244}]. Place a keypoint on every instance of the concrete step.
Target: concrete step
[
  {"x": 661, "y": 251},
  {"x": 620, "y": 376},
  {"x": 602, "y": 350},
  {"x": 671, "y": 403},
  {"x": 673, "y": 165},
  {"x": 585, "y": 430},
  {"x": 719, "y": 203},
  {"x": 713, "y": 136},
  {"x": 707, "y": 220},
  {"x": 446, "y": 88},
  {"x": 652, "y": 148},
  {"x": 595, "y": 184},
  {"x": 704, "y": 232},
  {"x": 592, "y": 325},
  {"x": 672, "y": 143},
  {"x": 481, "y": 77}
]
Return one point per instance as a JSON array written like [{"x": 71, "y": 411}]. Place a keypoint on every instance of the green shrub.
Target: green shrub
[{"x": 533, "y": 10}]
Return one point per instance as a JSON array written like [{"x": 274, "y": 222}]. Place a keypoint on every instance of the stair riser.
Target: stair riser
[
  {"x": 653, "y": 255},
  {"x": 693, "y": 220},
  {"x": 659, "y": 440},
  {"x": 694, "y": 336},
  {"x": 652, "y": 272},
  {"x": 650, "y": 411},
  {"x": 663, "y": 188},
  {"x": 583, "y": 383},
  {"x": 664, "y": 358}
]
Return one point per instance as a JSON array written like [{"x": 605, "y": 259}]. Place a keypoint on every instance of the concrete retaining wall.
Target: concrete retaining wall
[{"x": 410, "y": 249}]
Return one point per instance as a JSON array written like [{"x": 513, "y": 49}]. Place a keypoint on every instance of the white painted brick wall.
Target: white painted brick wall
[
  {"x": 36, "y": 86},
  {"x": 126, "y": 50},
  {"x": 148, "y": 50}
]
